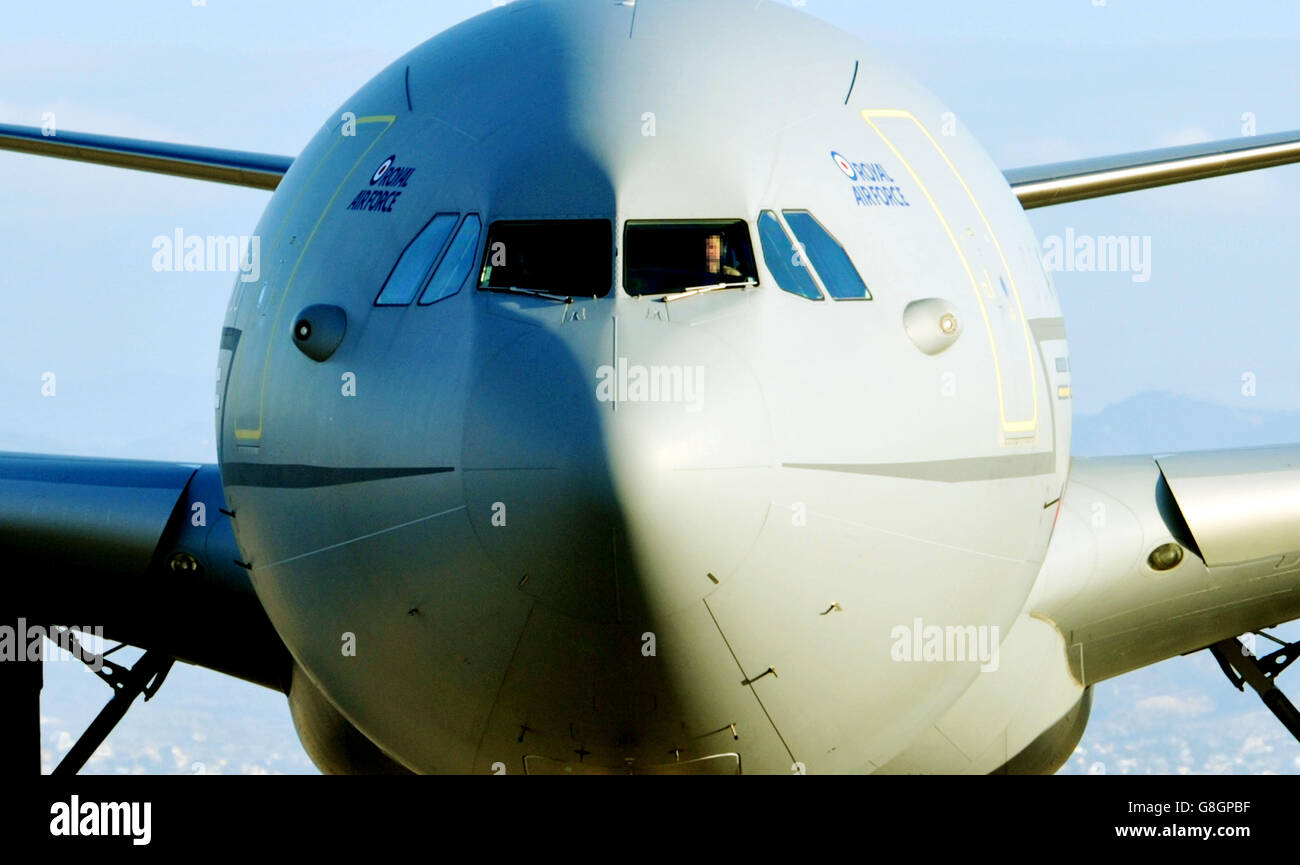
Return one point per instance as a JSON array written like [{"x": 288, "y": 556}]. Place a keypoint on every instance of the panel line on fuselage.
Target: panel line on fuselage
[
  {"x": 366, "y": 536},
  {"x": 748, "y": 682}
]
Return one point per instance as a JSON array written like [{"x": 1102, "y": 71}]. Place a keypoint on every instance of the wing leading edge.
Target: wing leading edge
[
  {"x": 1063, "y": 182},
  {"x": 236, "y": 167}
]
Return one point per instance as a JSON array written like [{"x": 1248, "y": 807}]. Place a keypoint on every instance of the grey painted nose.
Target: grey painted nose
[{"x": 610, "y": 467}]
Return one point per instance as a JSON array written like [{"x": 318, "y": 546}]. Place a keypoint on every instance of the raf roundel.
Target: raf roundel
[
  {"x": 844, "y": 165},
  {"x": 382, "y": 169}
]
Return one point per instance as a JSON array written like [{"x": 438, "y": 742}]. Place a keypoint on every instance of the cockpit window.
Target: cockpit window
[
  {"x": 415, "y": 262},
  {"x": 672, "y": 257},
  {"x": 828, "y": 258},
  {"x": 456, "y": 264},
  {"x": 572, "y": 257},
  {"x": 784, "y": 259}
]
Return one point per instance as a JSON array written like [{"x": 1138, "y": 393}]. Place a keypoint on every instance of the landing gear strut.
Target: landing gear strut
[
  {"x": 145, "y": 677},
  {"x": 1241, "y": 667}
]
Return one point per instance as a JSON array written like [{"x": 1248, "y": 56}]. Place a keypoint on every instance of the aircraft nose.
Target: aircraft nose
[{"x": 617, "y": 468}]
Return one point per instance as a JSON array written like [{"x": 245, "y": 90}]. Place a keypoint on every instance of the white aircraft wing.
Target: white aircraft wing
[
  {"x": 236, "y": 167},
  {"x": 1035, "y": 186},
  {"x": 1157, "y": 556},
  {"x": 1062, "y": 182}
]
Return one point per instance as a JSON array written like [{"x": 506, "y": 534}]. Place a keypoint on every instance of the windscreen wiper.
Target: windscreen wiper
[
  {"x": 705, "y": 289},
  {"x": 531, "y": 292}
]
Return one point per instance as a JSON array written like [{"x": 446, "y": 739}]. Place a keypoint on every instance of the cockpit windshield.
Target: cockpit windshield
[
  {"x": 570, "y": 257},
  {"x": 676, "y": 256}
]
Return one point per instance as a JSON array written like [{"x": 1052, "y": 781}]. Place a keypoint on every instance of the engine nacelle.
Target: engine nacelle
[
  {"x": 334, "y": 745},
  {"x": 1053, "y": 747}
]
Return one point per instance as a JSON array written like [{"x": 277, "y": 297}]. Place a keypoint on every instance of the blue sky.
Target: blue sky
[{"x": 134, "y": 350}]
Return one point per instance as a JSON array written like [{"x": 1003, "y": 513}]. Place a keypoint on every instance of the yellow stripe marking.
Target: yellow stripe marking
[
  {"x": 388, "y": 119},
  {"x": 898, "y": 113}
]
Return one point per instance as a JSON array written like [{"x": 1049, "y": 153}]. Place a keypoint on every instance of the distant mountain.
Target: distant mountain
[{"x": 1159, "y": 422}]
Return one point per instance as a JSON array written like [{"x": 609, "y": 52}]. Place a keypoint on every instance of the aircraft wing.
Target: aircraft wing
[
  {"x": 142, "y": 549},
  {"x": 236, "y": 167},
  {"x": 1062, "y": 182},
  {"x": 1036, "y": 186},
  {"x": 1234, "y": 515}
]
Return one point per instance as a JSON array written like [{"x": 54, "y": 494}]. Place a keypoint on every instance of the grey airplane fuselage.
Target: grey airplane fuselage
[{"x": 504, "y": 532}]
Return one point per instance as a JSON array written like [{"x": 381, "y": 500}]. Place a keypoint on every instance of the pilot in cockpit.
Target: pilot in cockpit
[{"x": 719, "y": 258}]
